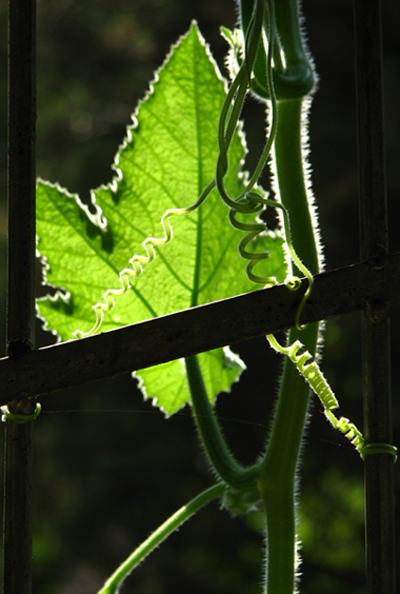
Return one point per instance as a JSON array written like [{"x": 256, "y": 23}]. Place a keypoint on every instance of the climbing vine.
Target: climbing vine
[{"x": 196, "y": 247}]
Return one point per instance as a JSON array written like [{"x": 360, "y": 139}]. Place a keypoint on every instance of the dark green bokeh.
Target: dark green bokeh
[{"x": 103, "y": 481}]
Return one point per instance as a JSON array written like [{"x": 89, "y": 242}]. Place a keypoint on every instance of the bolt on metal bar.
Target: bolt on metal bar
[
  {"x": 17, "y": 523},
  {"x": 379, "y": 501}
]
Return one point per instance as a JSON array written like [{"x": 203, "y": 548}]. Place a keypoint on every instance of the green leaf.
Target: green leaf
[{"x": 166, "y": 160}]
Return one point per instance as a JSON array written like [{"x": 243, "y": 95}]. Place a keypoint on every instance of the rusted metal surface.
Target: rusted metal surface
[{"x": 198, "y": 329}]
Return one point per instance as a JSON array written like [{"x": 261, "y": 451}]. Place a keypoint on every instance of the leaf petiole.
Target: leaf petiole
[
  {"x": 113, "y": 583},
  {"x": 223, "y": 462}
]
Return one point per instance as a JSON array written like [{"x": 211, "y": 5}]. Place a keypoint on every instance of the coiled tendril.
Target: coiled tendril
[
  {"x": 251, "y": 200},
  {"x": 311, "y": 372},
  {"x": 137, "y": 262}
]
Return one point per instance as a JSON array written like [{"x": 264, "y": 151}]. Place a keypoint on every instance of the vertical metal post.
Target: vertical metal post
[
  {"x": 17, "y": 526},
  {"x": 380, "y": 554}
]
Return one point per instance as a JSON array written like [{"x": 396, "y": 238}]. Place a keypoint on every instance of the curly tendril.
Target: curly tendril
[
  {"x": 138, "y": 262},
  {"x": 311, "y": 372},
  {"x": 255, "y": 201}
]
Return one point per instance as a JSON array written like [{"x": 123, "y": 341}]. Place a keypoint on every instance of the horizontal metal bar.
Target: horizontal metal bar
[{"x": 369, "y": 285}]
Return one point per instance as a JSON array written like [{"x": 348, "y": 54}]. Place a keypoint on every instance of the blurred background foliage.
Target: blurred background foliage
[{"x": 108, "y": 467}]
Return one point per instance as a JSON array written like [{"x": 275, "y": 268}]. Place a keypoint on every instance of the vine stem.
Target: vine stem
[
  {"x": 113, "y": 583},
  {"x": 221, "y": 459},
  {"x": 277, "y": 478}
]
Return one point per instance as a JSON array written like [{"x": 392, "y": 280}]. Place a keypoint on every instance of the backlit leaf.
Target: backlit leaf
[{"x": 167, "y": 158}]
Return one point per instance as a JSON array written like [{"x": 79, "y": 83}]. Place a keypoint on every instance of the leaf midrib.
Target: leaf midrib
[{"x": 197, "y": 267}]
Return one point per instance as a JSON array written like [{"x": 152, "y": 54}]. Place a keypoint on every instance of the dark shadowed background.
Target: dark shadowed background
[{"x": 108, "y": 467}]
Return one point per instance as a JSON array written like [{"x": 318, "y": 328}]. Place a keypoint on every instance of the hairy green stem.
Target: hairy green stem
[
  {"x": 223, "y": 462},
  {"x": 293, "y": 73},
  {"x": 113, "y": 583},
  {"x": 291, "y": 180},
  {"x": 296, "y": 78},
  {"x": 278, "y": 471},
  {"x": 277, "y": 481}
]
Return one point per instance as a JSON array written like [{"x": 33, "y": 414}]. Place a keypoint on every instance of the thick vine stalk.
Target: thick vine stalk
[
  {"x": 277, "y": 479},
  {"x": 278, "y": 469}
]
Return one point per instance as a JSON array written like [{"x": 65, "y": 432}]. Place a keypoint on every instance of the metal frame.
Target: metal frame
[
  {"x": 368, "y": 286},
  {"x": 17, "y": 523},
  {"x": 375, "y": 322}
]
